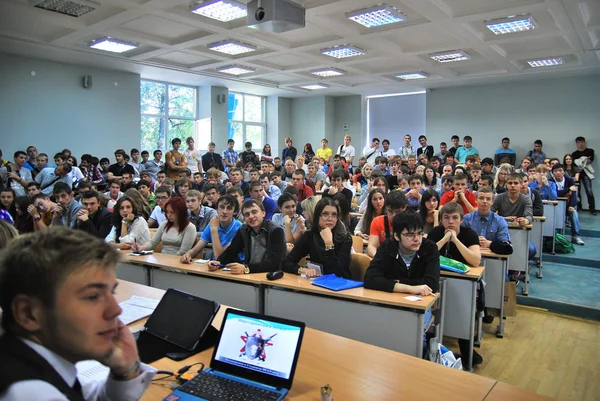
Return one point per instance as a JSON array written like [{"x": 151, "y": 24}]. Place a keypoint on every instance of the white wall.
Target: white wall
[
  {"x": 307, "y": 122},
  {"x": 347, "y": 112},
  {"x": 51, "y": 110},
  {"x": 553, "y": 110}
]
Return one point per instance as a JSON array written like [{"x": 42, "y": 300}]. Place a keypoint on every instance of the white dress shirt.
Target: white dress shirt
[{"x": 108, "y": 390}]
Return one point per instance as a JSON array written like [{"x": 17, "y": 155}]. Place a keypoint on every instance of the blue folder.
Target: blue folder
[
  {"x": 454, "y": 269},
  {"x": 335, "y": 283}
]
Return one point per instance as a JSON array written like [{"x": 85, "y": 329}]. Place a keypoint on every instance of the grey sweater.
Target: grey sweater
[{"x": 521, "y": 208}]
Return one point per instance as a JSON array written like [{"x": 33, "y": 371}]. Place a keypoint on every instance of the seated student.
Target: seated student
[
  {"x": 42, "y": 210},
  {"x": 428, "y": 210},
  {"x": 33, "y": 188},
  {"x": 414, "y": 192},
  {"x": 220, "y": 231},
  {"x": 407, "y": 262},
  {"x": 93, "y": 218},
  {"x": 460, "y": 195},
  {"x": 491, "y": 227},
  {"x": 198, "y": 181},
  {"x": 328, "y": 243},
  {"x": 238, "y": 195},
  {"x": 140, "y": 203},
  {"x": 235, "y": 176},
  {"x": 566, "y": 187},
  {"x": 375, "y": 207},
  {"x": 276, "y": 179},
  {"x": 57, "y": 291},
  {"x": 292, "y": 223},
  {"x": 447, "y": 184},
  {"x": 145, "y": 175},
  {"x": 514, "y": 206},
  {"x": 198, "y": 215},
  {"x": 213, "y": 176},
  {"x": 128, "y": 227},
  {"x": 67, "y": 216},
  {"x": 163, "y": 194},
  {"x": 127, "y": 181},
  {"x": 177, "y": 233},
  {"x": 23, "y": 221},
  {"x": 182, "y": 187},
  {"x": 475, "y": 177},
  {"x": 381, "y": 227},
  {"x": 7, "y": 201},
  {"x": 537, "y": 203},
  {"x": 315, "y": 175},
  {"x": 211, "y": 195},
  {"x": 431, "y": 180},
  {"x": 83, "y": 186},
  {"x": 337, "y": 191},
  {"x": 461, "y": 244},
  {"x": 546, "y": 188},
  {"x": 272, "y": 191},
  {"x": 486, "y": 181},
  {"x": 381, "y": 164},
  {"x": 261, "y": 243},
  {"x": 500, "y": 181},
  {"x": 257, "y": 192},
  {"x": 114, "y": 193},
  {"x": 143, "y": 186},
  {"x": 378, "y": 182}
]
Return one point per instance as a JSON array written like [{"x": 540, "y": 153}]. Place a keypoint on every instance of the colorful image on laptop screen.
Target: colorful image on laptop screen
[{"x": 259, "y": 345}]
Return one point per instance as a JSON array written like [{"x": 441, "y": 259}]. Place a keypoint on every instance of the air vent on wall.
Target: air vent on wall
[{"x": 75, "y": 9}]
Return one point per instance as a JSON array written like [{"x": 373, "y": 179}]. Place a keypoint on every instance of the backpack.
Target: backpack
[{"x": 563, "y": 245}]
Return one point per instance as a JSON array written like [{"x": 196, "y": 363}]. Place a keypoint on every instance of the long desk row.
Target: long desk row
[
  {"x": 351, "y": 313},
  {"x": 355, "y": 370}
]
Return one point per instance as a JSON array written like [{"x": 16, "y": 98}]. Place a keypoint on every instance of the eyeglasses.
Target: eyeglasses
[
  {"x": 413, "y": 235},
  {"x": 162, "y": 197},
  {"x": 327, "y": 215}
]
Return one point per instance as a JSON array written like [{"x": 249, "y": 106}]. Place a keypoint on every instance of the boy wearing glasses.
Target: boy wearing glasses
[
  {"x": 158, "y": 215},
  {"x": 407, "y": 262}
]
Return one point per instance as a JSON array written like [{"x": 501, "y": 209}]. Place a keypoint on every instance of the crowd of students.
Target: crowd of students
[{"x": 260, "y": 213}]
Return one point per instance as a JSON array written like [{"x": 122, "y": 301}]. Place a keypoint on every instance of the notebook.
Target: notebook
[
  {"x": 255, "y": 355},
  {"x": 335, "y": 283},
  {"x": 178, "y": 324}
]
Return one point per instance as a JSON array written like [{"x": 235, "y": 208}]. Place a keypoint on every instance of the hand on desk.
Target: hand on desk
[
  {"x": 309, "y": 273},
  {"x": 522, "y": 221},
  {"x": 423, "y": 290},
  {"x": 186, "y": 258},
  {"x": 483, "y": 242}
]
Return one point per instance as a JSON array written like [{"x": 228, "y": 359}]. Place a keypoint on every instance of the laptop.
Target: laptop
[
  {"x": 255, "y": 359},
  {"x": 180, "y": 324}
]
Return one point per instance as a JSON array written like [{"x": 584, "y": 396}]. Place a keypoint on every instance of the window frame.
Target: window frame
[{"x": 245, "y": 123}]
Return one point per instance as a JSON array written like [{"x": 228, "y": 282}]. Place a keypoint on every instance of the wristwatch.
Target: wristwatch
[
  {"x": 246, "y": 270},
  {"x": 37, "y": 218}
]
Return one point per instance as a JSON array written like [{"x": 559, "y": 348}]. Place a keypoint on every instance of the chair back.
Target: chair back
[
  {"x": 359, "y": 262},
  {"x": 358, "y": 244}
]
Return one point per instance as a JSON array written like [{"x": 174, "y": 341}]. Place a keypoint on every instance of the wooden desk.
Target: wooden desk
[
  {"x": 460, "y": 306},
  {"x": 375, "y": 317},
  {"x": 355, "y": 370},
  {"x": 495, "y": 275},
  {"x": 242, "y": 291},
  {"x": 503, "y": 392},
  {"x": 519, "y": 260},
  {"x": 537, "y": 236}
]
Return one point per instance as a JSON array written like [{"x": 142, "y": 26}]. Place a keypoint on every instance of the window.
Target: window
[
  {"x": 247, "y": 120},
  {"x": 168, "y": 112}
]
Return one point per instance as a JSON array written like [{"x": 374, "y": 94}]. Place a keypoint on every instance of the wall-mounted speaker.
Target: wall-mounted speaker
[
  {"x": 221, "y": 98},
  {"x": 87, "y": 81}
]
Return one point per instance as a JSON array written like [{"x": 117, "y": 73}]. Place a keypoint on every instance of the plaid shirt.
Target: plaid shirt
[{"x": 231, "y": 156}]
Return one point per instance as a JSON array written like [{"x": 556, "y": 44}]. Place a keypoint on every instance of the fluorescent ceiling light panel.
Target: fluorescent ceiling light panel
[
  {"x": 313, "y": 87},
  {"x": 221, "y": 10},
  {"x": 328, "y": 72},
  {"x": 236, "y": 69},
  {"x": 412, "y": 76},
  {"x": 112, "y": 45},
  {"x": 548, "y": 62},
  {"x": 453, "y": 55},
  {"x": 395, "y": 94},
  {"x": 232, "y": 47},
  {"x": 343, "y": 51},
  {"x": 381, "y": 14},
  {"x": 71, "y": 8},
  {"x": 512, "y": 24}
]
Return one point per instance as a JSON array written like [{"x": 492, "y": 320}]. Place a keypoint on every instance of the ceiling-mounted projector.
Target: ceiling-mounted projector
[{"x": 275, "y": 15}]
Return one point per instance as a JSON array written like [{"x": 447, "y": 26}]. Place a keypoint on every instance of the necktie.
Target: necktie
[{"x": 77, "y": 387}]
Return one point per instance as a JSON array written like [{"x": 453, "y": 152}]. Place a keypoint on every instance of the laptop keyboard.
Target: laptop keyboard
[{"x": 216, "y": 388}]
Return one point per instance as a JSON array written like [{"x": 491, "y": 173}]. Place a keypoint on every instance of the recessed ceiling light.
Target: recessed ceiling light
[
  {"x": 313, "y": 87},
  {"x": 112, "y": 45},
  {"x": 236, "y": 69},
  {"x": 548, "y": 62},
  {"x": 232, "y": 47},
  {"x": 343, "y": 51},
  {"x": 514, "y": 23},
  {"x": 412, "y": 76},
  {"x": 381, "y": 14},
  {"x": 328, "y": 72},
  {"x": 221, "y": 10},
  {"x": 71, "y": 8},
  {"x": 449, "y": 56}
]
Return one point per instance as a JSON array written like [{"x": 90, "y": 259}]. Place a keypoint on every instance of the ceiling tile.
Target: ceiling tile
[
  {"x": 284, "y": 61},
  {"x": 423, "y": 37},
  {"x": 461, "y": 8},
  {"x": 480, "y": 68},
  {"x": 308, "y": 35},
  {"x": 20, "y": 26},
  {"x": 590, "y": 12},
  {"x": 552, "y": 44},
  {"x": 382, "y": 65},
  {"x": 183, "y": 58},
  {"x": 160, "y": 27}
]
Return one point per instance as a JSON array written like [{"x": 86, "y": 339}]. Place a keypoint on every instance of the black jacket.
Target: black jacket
[
  {"x": 564, "y": 193},
  {"x": 99, "y": 225},
  {"x": 387, "y": 267},
  {"x": 336, "y": 261},
  {"x": 212, "y": 160},
  {"x": 276, "y": 248},
  {"x": 20, "y": 362}
]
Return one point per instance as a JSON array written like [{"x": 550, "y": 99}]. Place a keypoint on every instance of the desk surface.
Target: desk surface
[
  {"x": 486, "y": 253},
  {"x": 474, "y": 274},
  {"x": 291, "y": 281},
  {"x": 539, "y": 218},
  {"x": 367, "y": 373},
  {"x": 514, "y": 225},
  {"x": 550, "y": 202},
  {"x": 503, "y": 392}
]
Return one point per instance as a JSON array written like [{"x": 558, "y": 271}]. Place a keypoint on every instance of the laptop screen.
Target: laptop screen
[{"x": 260, "y": 344}]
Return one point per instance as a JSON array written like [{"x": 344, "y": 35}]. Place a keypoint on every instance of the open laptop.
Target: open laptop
[
  {"x": 180, "y": 324},
  {"x": 255, "y": 358}
]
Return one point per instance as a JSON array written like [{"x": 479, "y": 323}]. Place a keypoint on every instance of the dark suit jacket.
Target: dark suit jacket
[{"x": 210, "y": 159}]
